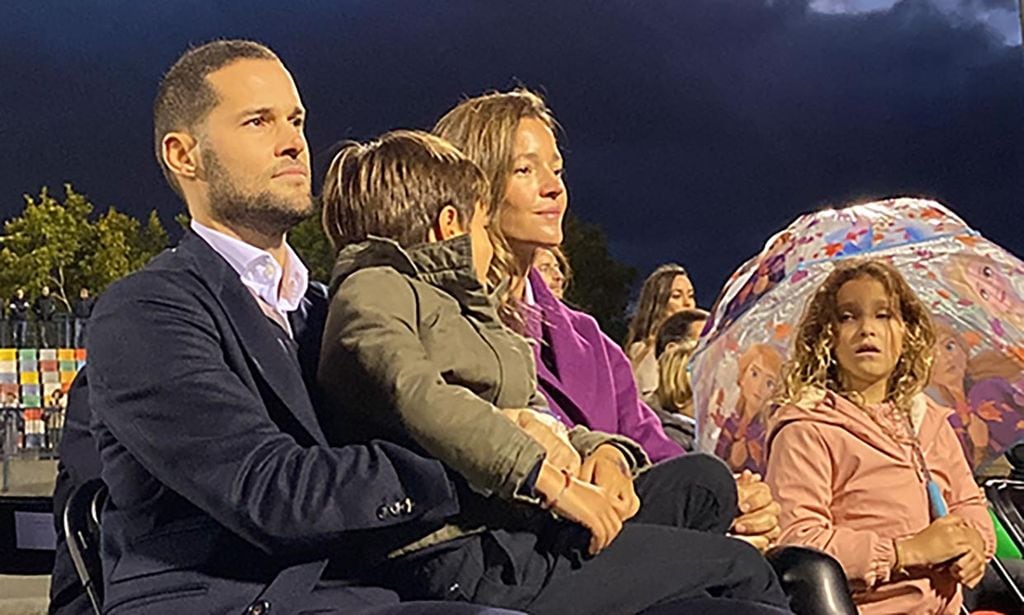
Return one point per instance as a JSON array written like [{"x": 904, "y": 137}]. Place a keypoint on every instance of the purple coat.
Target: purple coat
[{"x": 586, "y": 377}]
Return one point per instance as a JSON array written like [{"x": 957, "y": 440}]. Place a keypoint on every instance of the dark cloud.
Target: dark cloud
[
  {"x": 1004, "y": 5},
  {"x": 694, "y": 130}
]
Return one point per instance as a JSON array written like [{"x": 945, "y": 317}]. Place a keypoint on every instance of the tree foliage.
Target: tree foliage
[
  {"x": 600, "y": 285},
  {"x": 310, "y": 242},
  {"x": 65, "y": 246}
]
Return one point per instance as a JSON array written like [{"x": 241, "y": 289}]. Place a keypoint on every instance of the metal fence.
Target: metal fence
[
  {"x": 64, "y": 331},
  {"x": 28, "y": 434}
]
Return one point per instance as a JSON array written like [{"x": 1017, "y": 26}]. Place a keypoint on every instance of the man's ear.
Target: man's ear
[
  {"x": 447, "y": 225},
  {"x": 180, "y": 153}
]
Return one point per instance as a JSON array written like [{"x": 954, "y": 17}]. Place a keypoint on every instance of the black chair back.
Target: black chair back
[
  {"x": 82, "y": 531},
  {"x": 814, "y": 581},
  {"x": 1006, "y": 496}
]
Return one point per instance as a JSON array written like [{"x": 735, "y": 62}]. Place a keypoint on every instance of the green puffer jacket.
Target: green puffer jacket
[{"x": 414, "y": 352}]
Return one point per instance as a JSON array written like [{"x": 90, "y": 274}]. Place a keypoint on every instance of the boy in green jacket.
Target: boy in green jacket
[{"x": 414, "y": 352}]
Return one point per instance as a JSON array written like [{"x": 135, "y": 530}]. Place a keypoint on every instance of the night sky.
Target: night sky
[{"x": 694, "y": 129}]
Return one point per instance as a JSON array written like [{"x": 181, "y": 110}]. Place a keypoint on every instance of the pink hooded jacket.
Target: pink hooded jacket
[{"x": 849, "y": 489}]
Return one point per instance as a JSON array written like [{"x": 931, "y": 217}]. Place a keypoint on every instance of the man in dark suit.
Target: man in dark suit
[
  {"x": 224, "y": 495},
  {"x": 78, "y": 460}
]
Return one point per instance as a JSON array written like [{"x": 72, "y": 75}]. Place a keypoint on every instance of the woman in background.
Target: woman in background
[{"x": 665, "y": 292}]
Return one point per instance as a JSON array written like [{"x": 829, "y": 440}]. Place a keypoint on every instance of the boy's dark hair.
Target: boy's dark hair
[
  {"x": 185, "y": 97},
  {"x": 396, "y": 186},
  {"x": 676, "y": 328}
]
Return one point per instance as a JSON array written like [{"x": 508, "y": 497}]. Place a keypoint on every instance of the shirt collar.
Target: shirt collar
[
  {"x": 528, "y": 292},
  {"x": 259, "y": 271}
]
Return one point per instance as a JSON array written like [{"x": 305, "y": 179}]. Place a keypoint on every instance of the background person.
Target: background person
[
  {"x": 81, "y": 311},
  {"x": 666, "y": 291},
  {"x": 18, "y": 309},
  {"x": 553, "y": 266},
  {"x": 45, "y": 308}
]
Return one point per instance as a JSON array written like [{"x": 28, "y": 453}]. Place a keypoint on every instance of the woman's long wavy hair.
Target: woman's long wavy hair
[
  {"x": 484, "y": 128},
  {"x": 650, "y": 307},
  {"x": 813, "y": 364}
]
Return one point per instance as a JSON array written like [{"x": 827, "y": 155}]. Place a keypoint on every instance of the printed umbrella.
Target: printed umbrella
[{"x": 973, "y": 287}]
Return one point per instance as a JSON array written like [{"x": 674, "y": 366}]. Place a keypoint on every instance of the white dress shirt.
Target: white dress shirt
[{"x": 277, "y": 291}]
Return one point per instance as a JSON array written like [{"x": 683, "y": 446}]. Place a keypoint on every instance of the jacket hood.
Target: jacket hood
[
  {"x": 446, "y": 265},
  {"x": 829, "y": 408}
]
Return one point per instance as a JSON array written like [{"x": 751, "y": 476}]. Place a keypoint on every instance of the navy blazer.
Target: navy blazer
[{"x": 222, "y": 484}]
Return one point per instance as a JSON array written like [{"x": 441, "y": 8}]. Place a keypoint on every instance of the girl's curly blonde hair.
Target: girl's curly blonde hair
[{"x": 813, "y": 364}]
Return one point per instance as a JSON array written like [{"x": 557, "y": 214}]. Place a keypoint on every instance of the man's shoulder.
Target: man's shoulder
[{"x": 171, "y": 274}]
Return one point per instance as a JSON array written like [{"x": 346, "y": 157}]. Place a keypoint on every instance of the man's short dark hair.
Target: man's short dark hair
[
  {"x": 676, "y": 328},
  {"x": 185, "y": 97}
]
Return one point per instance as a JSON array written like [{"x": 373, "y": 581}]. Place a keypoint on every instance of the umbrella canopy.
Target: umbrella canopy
[{"x": 974, "y": 289}]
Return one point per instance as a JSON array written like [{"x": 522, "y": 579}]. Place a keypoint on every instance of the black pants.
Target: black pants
[
  {"x": 671, "y": 553},
  {"x": 696, "y": 492}
]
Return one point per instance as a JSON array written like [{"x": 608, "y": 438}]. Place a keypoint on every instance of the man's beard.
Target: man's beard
[{"x": 263, "y": 213}]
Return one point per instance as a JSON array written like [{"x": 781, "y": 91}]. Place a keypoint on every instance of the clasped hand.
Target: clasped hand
[
  {"x": 600, "y": 495},
  {"x": 758, "y": 520},
  {"x": 948, "y": 544}
]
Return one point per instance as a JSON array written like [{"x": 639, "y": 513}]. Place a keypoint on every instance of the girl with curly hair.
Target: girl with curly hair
[{"x": 865, "y": 466}]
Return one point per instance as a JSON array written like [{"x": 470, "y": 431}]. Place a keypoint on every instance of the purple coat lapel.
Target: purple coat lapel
[
  {"x": 576, "y": 381},
  {"x": 591, "y": 383}
]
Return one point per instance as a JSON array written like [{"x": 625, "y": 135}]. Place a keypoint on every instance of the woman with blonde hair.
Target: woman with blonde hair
[
  {"x": 667, "y": 291},
  {"x": 672, "y": 401},
  {"x": 584, "y": 375},
  {"x": 867, "y": 467}
]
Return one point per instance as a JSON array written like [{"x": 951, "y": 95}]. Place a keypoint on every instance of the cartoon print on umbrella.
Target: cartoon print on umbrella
[{"x": 743, "y": 431}]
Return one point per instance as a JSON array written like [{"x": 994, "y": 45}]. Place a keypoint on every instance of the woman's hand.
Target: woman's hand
[
  {"x": 581, "y": 503},
  {"x": 592, "y": 508},
  {"x": 607, "y": 468},
  {"x": 758, "y": 521}
]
